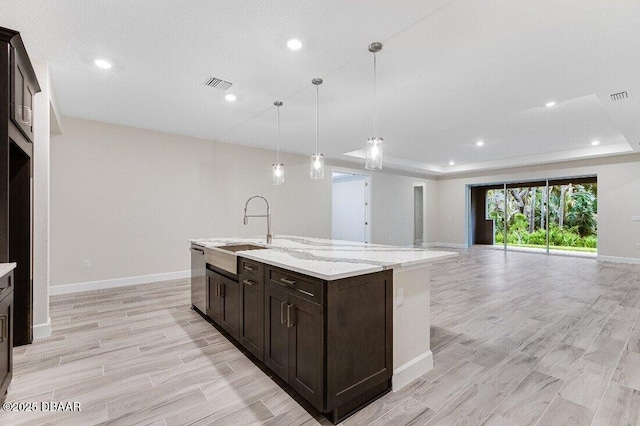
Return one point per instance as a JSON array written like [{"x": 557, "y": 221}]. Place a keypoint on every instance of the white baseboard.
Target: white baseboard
[
  {"x": 410, "y": 371},
  {"x": 632, "y": 260},
  {"x": 117, "y": 282},
  {"x": 42, "y": 331},
  {"x": 445, "y": 245}
]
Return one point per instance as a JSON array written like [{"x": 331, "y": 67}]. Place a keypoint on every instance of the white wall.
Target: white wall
[
  {"x": 129, "y": 199},
  {"x": 392, "y": 214},
  {"x": 618, "y": 200},
  {"x": 41, "y": 124}
]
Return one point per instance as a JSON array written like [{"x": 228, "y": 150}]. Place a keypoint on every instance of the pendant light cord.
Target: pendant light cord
[
  {"x": 278, "y": 140},
  {"x": 317, "y": 119},
  {"x": 375, "y": 94}
]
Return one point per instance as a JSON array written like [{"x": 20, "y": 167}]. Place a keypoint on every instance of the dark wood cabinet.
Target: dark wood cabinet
[
  {"x": 276, "y": 334},
  {"x": 213, "y": 291},
  {"x": 224, "y": 303},
  {"x": 251, "y": 281},
  {"x": 23, "y": 89},
  {"x": 331, "y": 341},
  {"x": 294, "y": 348},
  {"x": 305, "y": 325},
  {"x": 230, "y": 309},
  {"x": 6, "y": 338},
  {"x": 18, "y": 86}
]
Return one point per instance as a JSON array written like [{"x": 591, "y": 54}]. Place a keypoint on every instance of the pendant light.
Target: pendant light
[
  {"x": 278, "y": 168},
  {"x": 317, "y": 159},
  {"x": 374, "y": 143}
]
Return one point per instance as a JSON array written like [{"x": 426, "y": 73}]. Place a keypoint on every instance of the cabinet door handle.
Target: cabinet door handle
[
  {"x": 287, "y": 281},
  {"x": 248, "y": 282},
  {"x": 4, "y": 328},
  {"x": 249, "y": 268},
  {"x": 26, "y": 114},
  {"x": 290, "y": 316},
  {"x": 308, "y": 293},
  {"x": 282, "y": 312},
  {"x": 221, "y": 289}
]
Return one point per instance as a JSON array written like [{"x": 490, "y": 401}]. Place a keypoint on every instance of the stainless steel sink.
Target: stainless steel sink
[
  {"x": 225, "y": 257},
  {"x": 240, "y": 247}
]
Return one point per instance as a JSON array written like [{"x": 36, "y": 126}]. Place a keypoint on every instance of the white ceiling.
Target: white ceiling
[{"x": 451, "y": 72}]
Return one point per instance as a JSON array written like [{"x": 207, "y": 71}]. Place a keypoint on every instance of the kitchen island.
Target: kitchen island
[{"x": 341, "y": 322}]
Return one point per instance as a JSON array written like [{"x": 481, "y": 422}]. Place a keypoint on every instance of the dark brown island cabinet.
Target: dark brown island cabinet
[{"x": 331, "y": 341}]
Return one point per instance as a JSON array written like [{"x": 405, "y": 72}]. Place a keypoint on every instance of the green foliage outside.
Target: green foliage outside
[{"x": 572, "y": 216}]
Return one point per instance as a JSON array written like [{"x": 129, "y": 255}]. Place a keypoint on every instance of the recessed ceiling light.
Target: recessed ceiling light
[
  {"x": 452, "y": 163},
  {"x": 230, "y": 97},
  {"x": 480, "y": 143},
  {"x": 294, "y": 44},
  {"x": 549, "y": 104},
  {"x": 101, "y": 63},
  {"x": 595, "y": 143}
]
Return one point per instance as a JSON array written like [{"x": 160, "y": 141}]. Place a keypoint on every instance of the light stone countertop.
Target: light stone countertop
[
  {"x": 329, "y": 259},
  {"x": 5, "y": 268}
]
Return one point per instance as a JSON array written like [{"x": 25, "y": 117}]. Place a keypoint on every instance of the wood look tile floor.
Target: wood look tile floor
[{"x": 518, "y": 339}]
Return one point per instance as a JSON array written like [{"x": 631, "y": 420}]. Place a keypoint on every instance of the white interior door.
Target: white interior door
[{"x": 349, "y": 207}]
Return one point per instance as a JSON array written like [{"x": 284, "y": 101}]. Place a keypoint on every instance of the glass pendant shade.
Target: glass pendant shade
[
  {"x": 277, "y": 169},
  {"x": 373, "y": 149},
  {"x": 316, "y": 170},
  {"x": 278, "y": 174},
  {"x": 374, "y": 153}
]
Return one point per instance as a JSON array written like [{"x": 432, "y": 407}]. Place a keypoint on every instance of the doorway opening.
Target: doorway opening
[
  {"x": 350, "y": 216},
  {"x": 553, "y": 216},
  {"x": 418, "y": 214}
]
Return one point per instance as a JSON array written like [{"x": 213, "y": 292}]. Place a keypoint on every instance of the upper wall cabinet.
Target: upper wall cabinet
[
  {"x": 22, "y": 92},
  {"x": 23, "y": 85}
]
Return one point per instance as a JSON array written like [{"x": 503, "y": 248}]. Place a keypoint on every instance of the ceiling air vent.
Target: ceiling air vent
[
  {"x": 619, "y": 96},
  {"x": 217, "y": 83}
]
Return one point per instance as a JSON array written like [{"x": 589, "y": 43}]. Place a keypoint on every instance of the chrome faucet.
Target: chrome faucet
[{"x": 268, "y": 216}]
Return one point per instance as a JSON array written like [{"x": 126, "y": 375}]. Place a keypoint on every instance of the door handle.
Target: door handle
[
  {"x": 287, "y": 281},
  {"x": 282, "y": 312},
  {"x": 308, "y": 293},
  {"x": 290, "y": 315},
  {"x": 3, "y": 337},
  {"x": 248, "y": 282},
  {"x": 221, "y": 289},
  {"x": 248, "y": 268}
]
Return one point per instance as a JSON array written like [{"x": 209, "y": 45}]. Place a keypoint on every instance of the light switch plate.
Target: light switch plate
[
  {"x": 400, "y": 296},
  {"x": 635, "y": 218}
]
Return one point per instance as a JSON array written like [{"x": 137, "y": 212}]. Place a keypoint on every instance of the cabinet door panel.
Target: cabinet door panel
[
  {"x": 230, "y": 310},
  {"x": 306, "y": 349},
  {"x": 276, "y": 354},
  {"x": 252, "y": 315},
  {"x": 22, "y": 92},
  {"x": 6, "y": 343},
  {"x": 213, "y": 302}
]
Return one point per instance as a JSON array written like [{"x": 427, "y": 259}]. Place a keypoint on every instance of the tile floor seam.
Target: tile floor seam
[
  {"x": 626, "y": 343},
  {"x": 581, "y": 358},
  {"x": 534, "y": 367}
]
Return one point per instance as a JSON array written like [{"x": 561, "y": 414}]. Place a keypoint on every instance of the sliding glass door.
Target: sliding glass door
[
  {"x": 527, "y": 222},
  {"x": 573, "y": 216},
  {"x": 547, "y": 216}
]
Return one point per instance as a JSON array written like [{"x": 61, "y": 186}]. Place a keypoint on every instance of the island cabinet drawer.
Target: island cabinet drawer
[
  {"x": 250, "y": 268},
  {"x": 303, "y": 286}
]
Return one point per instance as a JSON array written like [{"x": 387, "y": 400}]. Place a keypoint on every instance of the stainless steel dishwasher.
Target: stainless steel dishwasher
[{"x": 198, "y": 279}]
